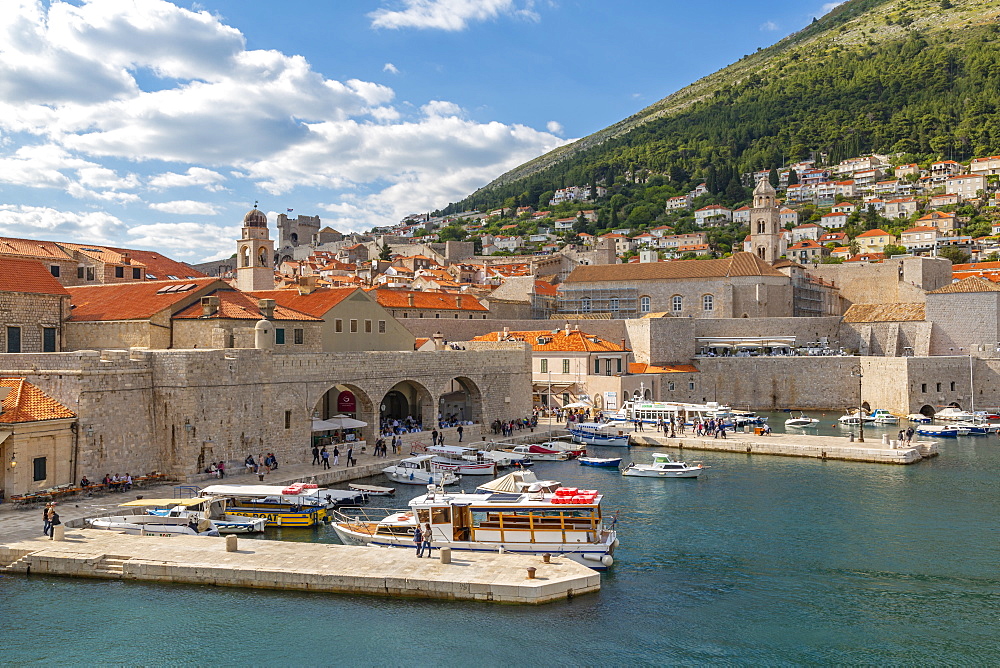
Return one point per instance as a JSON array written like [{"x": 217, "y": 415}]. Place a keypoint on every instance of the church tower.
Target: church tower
[
  {"x": 765, "y": 223},
  {"x": 254, "y": 254}
]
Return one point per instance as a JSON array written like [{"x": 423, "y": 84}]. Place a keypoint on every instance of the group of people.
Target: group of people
[
  {"x": 321, "y": 456},
  {"x": 217, "y": 470},
  {"x": 906, "y": 435},
  {"x": 262, "y": 465},
  {"x": 711, "y": 427},
  {"x": 422, "y": 539},
  {"x": 50, "y": 520},
  {"x": 407, "y": 425},
  {"x": 507, "y": 427}
]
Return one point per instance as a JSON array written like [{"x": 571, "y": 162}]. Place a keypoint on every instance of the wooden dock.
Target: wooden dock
[
  {"x": 797, "y": 445},
  {"x": 265, "y": 564}
]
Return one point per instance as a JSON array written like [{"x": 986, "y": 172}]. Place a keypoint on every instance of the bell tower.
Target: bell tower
[
  {"x": 765, "y": 223},
  {"x": 254, "y": 254}
]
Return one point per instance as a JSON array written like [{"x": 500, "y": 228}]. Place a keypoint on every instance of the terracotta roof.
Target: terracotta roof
[
  {"x": 546, "y": 289},
  {"x": 29, "y": 276},
  {"x": 156, "y": 264},
  {"x": 740, "y": 264},
  {"x": 438, "y": 301},
  {"x": 236, "y": 305},
  {"x": 131, "y": 301},
  {"x": 919, "y": 229},
  {"x": 805, "y": 243},
  {"x": 27, "y": 403},
  {"x": 877, "y": 232},
  {"x": 556, "y": 341},
  {"x": 975, "y": 266},
  {"x": 419, "y": 342},
  {"x": 970, "y": 284},
  {"x": 642, "y": 367},
  {"x": 884, "y": 313},
  {"x": 315, "y": 304},
  {"x": 43, "y": 250},
  {"x": 103, "y": 253}
]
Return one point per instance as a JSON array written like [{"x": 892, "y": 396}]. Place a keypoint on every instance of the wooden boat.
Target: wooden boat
[
  {"x": 608, "y": 462},
  {"x": 372, "y": 490},
  {"x": 604, "y": 433}
]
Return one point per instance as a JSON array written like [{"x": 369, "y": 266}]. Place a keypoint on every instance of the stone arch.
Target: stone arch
[
  {"x": 262, "y": 254},
  {"x": 408, "y": 398},
  {"x": 927, "y": 411},
  {"x": 866, "y": 407},
  {"x": 462, "y": 397},
  {"x": 325, "y": 405},
  {"x": 955, "y": 404},
  {"x": 245, "y": 256}
]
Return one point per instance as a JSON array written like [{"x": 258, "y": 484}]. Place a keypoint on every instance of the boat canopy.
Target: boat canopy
[
  {"x": 161, "y": 503},
  {"x": 450, "y": 450},
  {"x": 255, "y": 490}
]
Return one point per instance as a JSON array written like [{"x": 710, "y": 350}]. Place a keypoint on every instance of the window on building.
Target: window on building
[
  {"x": 381, "y": 326},
  {"x": 279, "y": 335},
  {"x": 597, "y": 366},
  {"x": 136, "y": 272},
  {"x": 544, "y": 366},
  {"x": 939, "y": 387},
  {"x": 288, "y": 419},
  {"x": 644, "y": 304},
  {"x": 437, "y": 315},
  {"x": 49, "y": 340},
  {"x": 39, "y": 473},
  {"x": 708, "y": 303},
  {"x": 677, "y": 303},
  {"x": 354, "y": 326},
  {"x": 691, "y": 385},
  {"x": 54, "y": 270},
  {"x": 613, "y": 304},
  {"x": 368, "y": 326},
  {"x": 13, "y": 339},
  {"x": 565, "y": 398},
  {"x": 90, "y": 273},
  {"x": 406, "y": 315},
  {"x": 923, "y": 387},
  {"x": 338, "y": 325},
  {"x": 119, "y": 272},
  {"x": 618, "y": 365},
  {"x": 585, "y": 307},
  {"x": 565, "y": 366},
  {"x": 79, "y": 272},
  {"x": 670, "y": 387},
  {"x": 300, "y": 336}
]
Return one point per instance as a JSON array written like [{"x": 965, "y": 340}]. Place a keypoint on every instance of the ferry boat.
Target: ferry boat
[
  {"x": 654, "y": 412},
  {"x": 199, "y": 508},
  {"x": 663, "y": 466},
  {"x": 418, "y": 471},
  {"x": 567, "y": 522},
  {"x": 461, "y": 461},
  {"x": 297, "y": 505},
  {"x": 600, "y": 433}
]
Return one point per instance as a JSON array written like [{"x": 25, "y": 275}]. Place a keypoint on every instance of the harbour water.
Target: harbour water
[{"x": 762, "y": 560}]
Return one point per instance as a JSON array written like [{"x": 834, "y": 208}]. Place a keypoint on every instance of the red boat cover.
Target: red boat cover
[{"x": 542, "y": 451}]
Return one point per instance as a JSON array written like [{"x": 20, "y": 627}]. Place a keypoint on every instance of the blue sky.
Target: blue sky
[{"x": 152, "y": 124}]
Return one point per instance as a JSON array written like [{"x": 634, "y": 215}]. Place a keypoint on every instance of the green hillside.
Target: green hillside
[{"x": 920, "y": 78}]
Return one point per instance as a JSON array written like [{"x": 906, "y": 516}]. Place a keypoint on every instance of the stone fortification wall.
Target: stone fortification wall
[
  {"x": 893, "y": 281},
  {"x": 464, "y": 330},
  {"x": 154, "y": 333},
  {"x": 888, "y": 339},
  {"x": 965, "y": 323}
]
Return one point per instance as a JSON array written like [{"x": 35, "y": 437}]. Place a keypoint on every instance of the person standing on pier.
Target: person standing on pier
[
  {"x": 350, "y": 456},
  {"x": 909, "y": 435},
  {"x": 326, "y": 457},
  {"x": 418, "y": 541},
  {"x": 426, "y": 534},
  {"x": 336, "y": 455},
  {"x": 459, "y": 430},
  {"x": 434, "y": 437},
  {"x": 315, "y": 455},
  {"x": 46, "y": 526}
]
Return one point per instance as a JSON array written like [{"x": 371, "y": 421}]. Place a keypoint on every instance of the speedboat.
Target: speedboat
[
  {"x": 919, "y": 418},
  {"x": 663, "y": 467},
  {"x": 852, "y": 418},
  {"x": 539, "y": 453},
  {"x": 600, "y": 461},
  {"x": 419, "y": 471},
  {"x": 942, "y": 431},
  {"x": 882, "y": 416},
  {"x": 801, "y": 421},
  {"x": 599, "y": 433},
  {"x": 153, "y": 525},
  {"x": 567, "y": 522}
]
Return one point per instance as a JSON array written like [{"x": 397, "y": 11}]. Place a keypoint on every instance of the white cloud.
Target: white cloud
[
  {"x": 47, "y": 223},
  {"x": 555, "y": 127},
  {"x": 192, "y": 242},
  {"x": 832, "y": 5},
  {"x": 186, "y": 207},
  {"x": 440, "y": 108},
  {"x": 768, "y": 26},
  {"x": 195, "y": 176},
  {"x": 390, "y": 68},
  {"x": 449, "y": 14}
]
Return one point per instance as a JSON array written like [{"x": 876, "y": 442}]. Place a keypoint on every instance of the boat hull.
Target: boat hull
[
  {"x": 600, "y": 462},
  {"x": 606, "y": 440},
  {"x": 655, "y": 473},
  {"x": 281, "y": 518},
  {"x": 420, "y": 478}
]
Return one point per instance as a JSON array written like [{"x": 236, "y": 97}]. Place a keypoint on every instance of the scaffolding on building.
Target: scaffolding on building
[{"x": 619, "y": 302}]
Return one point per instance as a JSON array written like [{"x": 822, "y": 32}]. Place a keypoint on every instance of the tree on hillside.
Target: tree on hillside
[
  {"x": 773, "y": 178},
  {"x": 892, "y": 249},
  {"x": 385, "y": 253},
  {"x": 544, "y": 199},
  {"x": 955, "y": 254},
  {"x": 793, "y": 178}
]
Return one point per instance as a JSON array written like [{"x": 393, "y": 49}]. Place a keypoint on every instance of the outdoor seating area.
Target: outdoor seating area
[
  {"x": 70, "y": 490},
  {"x": 762, "y": 347}
]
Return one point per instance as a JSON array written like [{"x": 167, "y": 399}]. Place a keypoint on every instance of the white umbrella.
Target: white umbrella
[
  {"x": 323, "y": 425},
  {"x": 344, "y": 422},
  {"x": 578, "y": 404}
]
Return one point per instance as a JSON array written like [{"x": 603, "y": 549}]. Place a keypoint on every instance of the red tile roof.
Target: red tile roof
[
  {"x": 236, "y": 305},
  {"x": 556, "y": 341},
  {"x": 642, "y": 367},
  {"x": 28, "y": 276},
  {"x": 739, "y": 264},
  {"x": 43, "y": 250},
  {"x": 437, "y": 301},
  {"x": 27, "y": 403},
  {"x": 131, "y": 301},
  {"x": 877, "y": 232},
  {"x": 315, "y": 304}
]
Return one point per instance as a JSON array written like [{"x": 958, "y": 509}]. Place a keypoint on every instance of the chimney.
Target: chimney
[
  {"x": 506, "y": 332},
  {"x": 623, "y": 344},
  {"x": 266, "y": 308},
  {"x": 209, "y": 306},
  {"x": 306, "y": 284},
  {"x": 438, "y": 341},
  {"x": 566, "y": 330},
  {"x": 126, "y": 258},
  {"x": 409, "y": 299}
]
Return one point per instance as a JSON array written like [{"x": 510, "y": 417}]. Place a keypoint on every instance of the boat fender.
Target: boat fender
[
  {"x": 614, "y": 544},
  {"x": 607, "y": 560},
  {"x": 411, "y": 476}
]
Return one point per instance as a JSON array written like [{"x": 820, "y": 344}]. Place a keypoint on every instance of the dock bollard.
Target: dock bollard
[
  {"x": 547, "y": 558},
  {"x": 231, "y": 543},
  {"x": 531, "y": 572},
  {"x": 445, "y": 555},
  {"x": 59, "y": 532}
]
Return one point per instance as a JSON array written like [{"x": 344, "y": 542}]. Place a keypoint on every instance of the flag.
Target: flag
[{"x": 290, "y": 210}]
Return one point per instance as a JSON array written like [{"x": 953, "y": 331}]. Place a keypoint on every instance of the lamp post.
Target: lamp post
[{"x": 856, "y": 371}]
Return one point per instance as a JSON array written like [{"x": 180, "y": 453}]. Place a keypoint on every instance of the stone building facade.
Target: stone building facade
[
  {"x": 38, "y": 439},
  {"x": 33, "y": 305}
]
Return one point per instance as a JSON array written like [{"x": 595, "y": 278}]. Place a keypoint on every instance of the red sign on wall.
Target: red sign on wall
[{"x": 347, "y": 402}]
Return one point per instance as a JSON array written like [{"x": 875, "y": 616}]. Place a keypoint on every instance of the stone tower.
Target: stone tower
[
  {"x": 254, "y": 254},
  {"x": 765, "y": 223},
  {"x": 297, "y": 231}
]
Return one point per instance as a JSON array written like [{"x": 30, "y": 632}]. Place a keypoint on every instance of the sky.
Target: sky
[{"x": 157, "y": 125}]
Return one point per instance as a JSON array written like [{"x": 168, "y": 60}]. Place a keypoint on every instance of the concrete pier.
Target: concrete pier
[
  {"x": 262, "y": 564},
  {"x": 798, "y": 445}
]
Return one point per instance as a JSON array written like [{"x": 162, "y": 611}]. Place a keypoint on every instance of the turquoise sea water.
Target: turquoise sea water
[{"x": 764, "y": 560}]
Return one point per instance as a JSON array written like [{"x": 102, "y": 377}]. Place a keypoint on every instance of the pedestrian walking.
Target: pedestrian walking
[
  {"x": 350, "y": 456},
  {"x": 418, "y": 541},
  {"x": 459, "y": 433},
  {"x": 325, "y": 456},
  {"x": 909, "y": 435},
  {"x": 434, "y": 437},
  {"x": 315, "y": 455},
  {"x": 336, "y": 455}
]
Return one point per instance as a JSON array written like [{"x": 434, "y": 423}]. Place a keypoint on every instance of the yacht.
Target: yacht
[
  {"x": 663, "y": 467},
  {"x": 801, "y": 421},
  {"x": 419, "y": 470},
  {"x": 567, "y": 522}
]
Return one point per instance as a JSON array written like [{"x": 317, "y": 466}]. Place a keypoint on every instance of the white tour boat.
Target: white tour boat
[
  {"x": 419, "y": 471},
  {"x": 654, "y": 412},
  {"x": 610, "y": 434},
  {"x": 153, "y": 525},
  {"x": 801, "y": 421},
  {"x": 663, "y": 467},
  {"x": 567, "y": 522},
  {"x": 461, "y": 461}
]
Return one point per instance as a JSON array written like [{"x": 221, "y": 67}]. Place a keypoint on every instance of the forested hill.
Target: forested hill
[{"x": 916, "y": 77}]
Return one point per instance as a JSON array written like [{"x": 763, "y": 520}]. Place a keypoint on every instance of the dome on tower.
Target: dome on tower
[{"x": 255, "y": 218}]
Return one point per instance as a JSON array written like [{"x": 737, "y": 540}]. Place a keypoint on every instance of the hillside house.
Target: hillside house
[
  {"x": 966, "y": 186},
  {"x": 901, "y": 207},
  {"x": 873, "y": 241}
]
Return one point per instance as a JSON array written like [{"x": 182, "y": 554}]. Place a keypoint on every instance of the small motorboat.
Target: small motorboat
[
  {"x": 919, "y": 418},
  {"x": 154, "y": 525},
  {"x": 852, "y": 418},
  {"x": 952, "y": 414},
  {"x": 372, "y": 490},
  {"x": 801, "y": 421},
  {"x": 882, "y": 416},
  {"x": 600, "y": 461},
  {"x": 976, "y": 428},
  {"x": 663, "y": 467},
  {"x": 611, "y": 434},
  {"x": 419, "y": 471},
  {"x": 539, "y": 453},
  {"x": 945, "y": 431}
]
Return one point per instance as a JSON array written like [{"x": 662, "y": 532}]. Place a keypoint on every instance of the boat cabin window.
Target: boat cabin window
[
  {"x": 441, "y": 515},
  {"x": 423, "y": 515}
]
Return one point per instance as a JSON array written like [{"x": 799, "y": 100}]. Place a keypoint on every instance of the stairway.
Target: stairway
[
  {"x": 19, "y": 566},
  {"x": 111, "y": 566}
]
